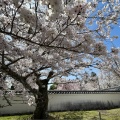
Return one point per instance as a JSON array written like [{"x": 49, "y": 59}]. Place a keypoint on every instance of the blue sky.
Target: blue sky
[{"x": 115, "y": 31}]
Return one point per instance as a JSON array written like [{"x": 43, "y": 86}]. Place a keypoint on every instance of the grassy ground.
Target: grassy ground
[
  {"x": 21, "y": 117},
  {"x": 79, "y": 115}
]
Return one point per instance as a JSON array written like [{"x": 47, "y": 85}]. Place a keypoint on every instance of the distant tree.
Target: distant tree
[
  {"x": 88, "y": 82},
  {"x": 53, "y": 86},
  {"x": 108, "y": 79},
  {"x": 110, "y": 70}
]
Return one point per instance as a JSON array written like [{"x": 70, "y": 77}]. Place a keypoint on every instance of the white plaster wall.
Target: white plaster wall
[
  {"x": 56, "y": 101},
  {"x": 58, "y": 98},
  {"x": 19, "y": 105}
]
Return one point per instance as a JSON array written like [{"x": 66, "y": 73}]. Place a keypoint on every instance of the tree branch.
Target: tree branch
[
  {"x": 34, "y": 71},
  {"x": 15, "y": 15},
  {"x": 17, "y": 77},
  {"x": 12, "y": 62},
  {"x": 9, "y": 103}
]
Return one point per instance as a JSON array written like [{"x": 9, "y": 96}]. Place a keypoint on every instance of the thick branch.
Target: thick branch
[
  {"x": 50, "y": 74},
  {"x": 35, "y": 71},
  {"x": 17, "y": 77}
]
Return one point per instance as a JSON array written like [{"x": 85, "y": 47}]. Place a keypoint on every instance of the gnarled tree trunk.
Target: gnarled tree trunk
[{"x": 41, "y": 104}]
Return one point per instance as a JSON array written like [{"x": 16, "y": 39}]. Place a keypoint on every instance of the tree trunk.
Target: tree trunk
[{"x": 41, "y": 104}]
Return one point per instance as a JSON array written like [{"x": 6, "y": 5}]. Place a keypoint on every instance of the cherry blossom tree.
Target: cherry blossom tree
[
  {"x": 87, "y": 82},
  {"x": 115, "y": 67},
  {"x": 44, "y": 39},
  {"x": 91, "y": 83},
  {"x": 64, "y": 84},
  {"x": 110, "y": 70},
  {"x": 108, "y": 79}
]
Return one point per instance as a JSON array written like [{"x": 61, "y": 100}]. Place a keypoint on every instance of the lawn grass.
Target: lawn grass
[
  {"x": 20, "y": 117},
  {"x": 113, "y": 114}
]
